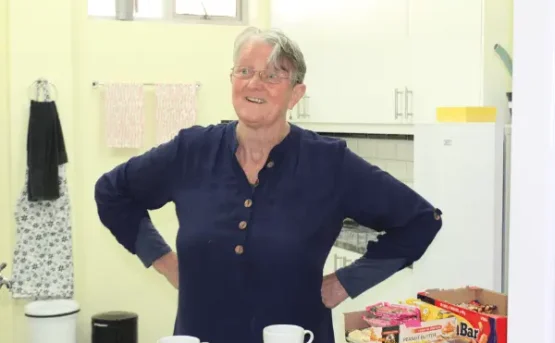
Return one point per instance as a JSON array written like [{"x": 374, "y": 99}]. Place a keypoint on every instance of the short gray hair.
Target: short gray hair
[{"x": 285, "y": 49}]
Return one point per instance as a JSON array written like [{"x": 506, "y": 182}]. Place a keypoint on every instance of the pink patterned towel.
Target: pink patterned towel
[
  {"x": 176, "y": 108},
  {"x": 125, "y": 118}
]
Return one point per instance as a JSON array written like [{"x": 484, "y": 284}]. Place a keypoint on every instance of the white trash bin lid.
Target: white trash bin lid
[{"x": 51, "y": 308}]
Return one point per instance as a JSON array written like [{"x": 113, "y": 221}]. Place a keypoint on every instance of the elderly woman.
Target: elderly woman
[{"x": 260, "y": 203}]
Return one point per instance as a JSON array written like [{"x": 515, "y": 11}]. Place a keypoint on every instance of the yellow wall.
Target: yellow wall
[
  {"x": 71, "y": 51},
  {"x": 5, "y": 232}
]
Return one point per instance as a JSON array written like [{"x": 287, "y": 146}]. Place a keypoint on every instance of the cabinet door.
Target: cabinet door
[
  {"x": 356, "y": 54},
  {"x": 446, "y": 56},
  {"x": 293, "y": 18}
]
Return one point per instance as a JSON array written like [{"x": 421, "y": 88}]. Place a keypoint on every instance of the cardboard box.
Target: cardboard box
[
  {"x": 480, "y": 327},
  {"x": 428, "y": 332}
]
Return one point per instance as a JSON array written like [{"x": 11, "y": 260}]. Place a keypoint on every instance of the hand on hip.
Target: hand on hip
[{"x": 333, "y": 292}]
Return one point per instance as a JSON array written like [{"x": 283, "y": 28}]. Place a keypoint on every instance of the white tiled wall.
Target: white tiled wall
[{"x": 396, "y": 156}]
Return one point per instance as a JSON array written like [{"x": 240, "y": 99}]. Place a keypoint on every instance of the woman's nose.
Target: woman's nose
[{"x": 256, "y": 81}]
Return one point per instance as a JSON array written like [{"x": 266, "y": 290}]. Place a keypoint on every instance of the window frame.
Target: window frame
[
  {"x": 169, "y": 15},
  {"x": 239, "y": 19}
]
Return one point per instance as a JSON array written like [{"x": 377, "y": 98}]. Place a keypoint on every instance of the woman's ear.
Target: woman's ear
[{"x": 299, "y": 91}]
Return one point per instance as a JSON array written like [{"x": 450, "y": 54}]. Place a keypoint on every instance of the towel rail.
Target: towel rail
[{"x": 97, "y": 84}]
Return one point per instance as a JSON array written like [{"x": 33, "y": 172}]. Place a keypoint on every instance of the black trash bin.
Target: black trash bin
[{"x": 115, "y": 327}]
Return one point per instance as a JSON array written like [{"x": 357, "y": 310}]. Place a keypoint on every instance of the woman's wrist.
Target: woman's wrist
[{"x": 166, "y": 263}]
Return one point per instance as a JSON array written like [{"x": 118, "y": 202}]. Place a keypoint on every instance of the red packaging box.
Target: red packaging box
[{"x": 480, "y": 327}]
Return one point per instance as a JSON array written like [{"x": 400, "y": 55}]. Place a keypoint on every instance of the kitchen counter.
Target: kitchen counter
[{"x": 355, "y": 237}]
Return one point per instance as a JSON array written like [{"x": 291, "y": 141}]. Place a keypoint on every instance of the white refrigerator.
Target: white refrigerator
[{"x": 459, "y": 167}]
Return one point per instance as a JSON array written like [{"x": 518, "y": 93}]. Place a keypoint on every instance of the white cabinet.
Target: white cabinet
[
  {"x": 395, "y": 61},
  {"x": 354, "y": 65},
  {"x": 394, "y": 289},
  {"x": 445, "y": 55},
  {"x": 452, "y": 58}
]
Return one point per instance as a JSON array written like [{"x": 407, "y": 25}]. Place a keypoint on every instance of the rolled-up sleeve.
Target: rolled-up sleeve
[
  {"x": 375, "y": 199},
  {"x": 125, "y": 194},
  {"x": 150, "y": 245}
]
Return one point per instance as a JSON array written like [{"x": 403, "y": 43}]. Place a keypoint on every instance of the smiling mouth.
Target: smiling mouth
[{"x": 255, "y": 100}]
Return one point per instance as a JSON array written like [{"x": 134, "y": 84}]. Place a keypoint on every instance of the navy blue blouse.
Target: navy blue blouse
[{"x": 254, "y": 256}]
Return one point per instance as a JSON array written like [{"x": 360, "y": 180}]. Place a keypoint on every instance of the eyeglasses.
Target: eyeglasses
[{"x": 268, "y": 76}]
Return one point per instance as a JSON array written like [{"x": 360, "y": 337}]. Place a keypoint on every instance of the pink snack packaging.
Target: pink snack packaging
[
  {"x": 386, "y": 314},
  {"x": 393, "y": 311}
]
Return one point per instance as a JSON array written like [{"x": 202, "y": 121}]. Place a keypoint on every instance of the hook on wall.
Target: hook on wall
[
  {"x": 44, "y": 87},
  {"x": 3, "y": 281}
]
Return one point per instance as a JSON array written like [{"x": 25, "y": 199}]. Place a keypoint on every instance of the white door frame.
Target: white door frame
[{"x": 532, "y": 235}]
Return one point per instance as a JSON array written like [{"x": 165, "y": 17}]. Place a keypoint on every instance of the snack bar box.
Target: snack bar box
[
  {"x": 358, "y": 331},
  {"x": 481, "y": 327}
]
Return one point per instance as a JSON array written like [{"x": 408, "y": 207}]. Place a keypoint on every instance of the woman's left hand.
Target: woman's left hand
[
  {"x": 168, "y": 266},
  {"x": 333, "y": 292}
]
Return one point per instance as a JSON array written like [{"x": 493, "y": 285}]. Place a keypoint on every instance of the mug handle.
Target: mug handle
[{"x": 310, "y": 335}]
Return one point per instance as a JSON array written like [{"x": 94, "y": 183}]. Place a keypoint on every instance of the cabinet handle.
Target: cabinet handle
[
  {"x": 304, "y": 103},
  {"x": 335, "y": 258},
  {"x": 397, "y": 113},
  {"x": 407, "y": 113},
  {"x": 346, "y": 261}
]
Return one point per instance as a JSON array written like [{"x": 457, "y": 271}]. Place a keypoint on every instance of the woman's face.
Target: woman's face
[{"x": 261, "y": 94}]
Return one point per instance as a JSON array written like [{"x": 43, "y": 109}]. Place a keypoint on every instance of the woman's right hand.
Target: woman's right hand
[{"x": 167, "y": 265}]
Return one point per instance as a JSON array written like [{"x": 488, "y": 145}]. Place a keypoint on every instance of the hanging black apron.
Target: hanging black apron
[{"x": 43, "y": 260}]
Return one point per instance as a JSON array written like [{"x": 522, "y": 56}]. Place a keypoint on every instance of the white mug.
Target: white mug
[
  {"x": 179, "y": 339},
  {"x": 283, "y": 333}
]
